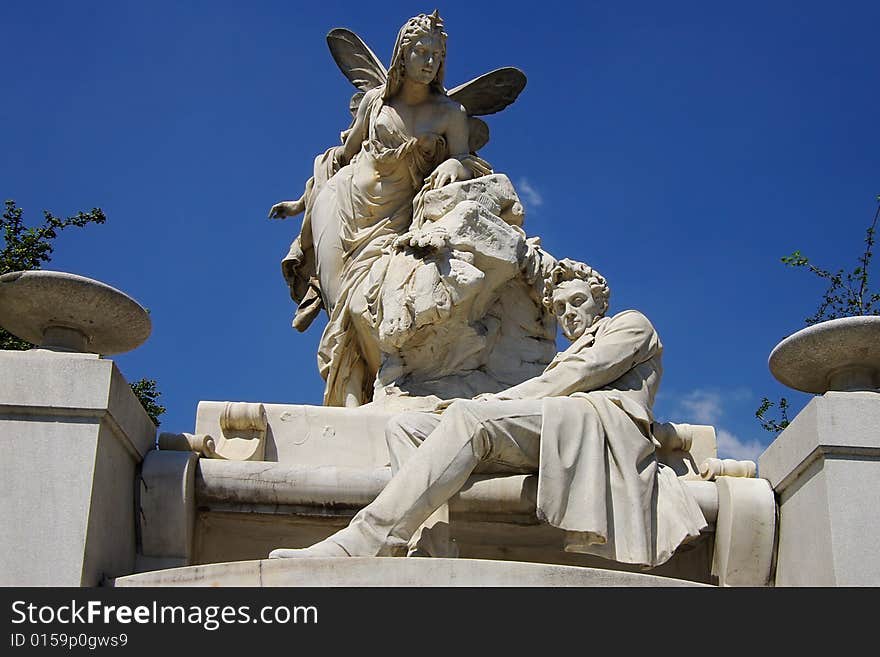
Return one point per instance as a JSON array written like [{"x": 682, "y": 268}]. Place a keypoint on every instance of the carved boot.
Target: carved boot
[{"x": 325, "y": 548}]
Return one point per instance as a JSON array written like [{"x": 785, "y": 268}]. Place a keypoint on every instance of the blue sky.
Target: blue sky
[{"x": 680, "y": 148}]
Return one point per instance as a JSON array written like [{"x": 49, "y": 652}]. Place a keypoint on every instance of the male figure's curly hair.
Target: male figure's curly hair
[{"x": 569, "y": 270}]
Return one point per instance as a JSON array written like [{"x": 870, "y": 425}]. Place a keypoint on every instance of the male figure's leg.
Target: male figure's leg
[
  {"x": 404, "y": 434},
  {"x": 506, "y": 433}
]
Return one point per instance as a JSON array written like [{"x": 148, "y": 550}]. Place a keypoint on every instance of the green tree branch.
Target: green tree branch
[{"x": 847, "y": 295}]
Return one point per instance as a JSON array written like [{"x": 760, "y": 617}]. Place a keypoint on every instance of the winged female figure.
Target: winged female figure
[{"x": 408, "y": 136}]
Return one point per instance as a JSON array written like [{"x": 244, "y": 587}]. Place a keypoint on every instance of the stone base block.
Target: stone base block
[
  {"x": 72, "y": 434},
  {"x": 824, "y": 469}
]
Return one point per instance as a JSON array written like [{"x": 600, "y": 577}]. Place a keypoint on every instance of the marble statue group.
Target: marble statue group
[
  {"x": 453, "y": 424},
  {"x": 442, "y": 309}
]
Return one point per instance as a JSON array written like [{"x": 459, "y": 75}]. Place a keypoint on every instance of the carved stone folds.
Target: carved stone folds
[{"x": 683, "y": 446}]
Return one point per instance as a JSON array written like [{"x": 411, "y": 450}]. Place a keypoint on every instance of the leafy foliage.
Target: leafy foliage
[
  {"x": 770, "y": 424},
  {"x": 847, "y": 295},
  {"x": 145, "y": 390},
  {"x": 11, "y": 342},
  {"x": 26, "y": 248}
]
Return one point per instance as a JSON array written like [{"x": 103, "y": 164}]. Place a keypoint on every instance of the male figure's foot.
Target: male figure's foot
[{"x": 324, "y": 548}]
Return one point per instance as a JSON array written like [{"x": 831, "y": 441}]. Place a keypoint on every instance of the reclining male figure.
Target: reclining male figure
[{"x": 584, "y": 425}]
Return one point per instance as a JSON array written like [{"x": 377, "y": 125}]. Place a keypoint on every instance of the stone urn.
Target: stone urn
[
  {"x": 836, "y": 355},
  {"x": 63, "y": 312}
]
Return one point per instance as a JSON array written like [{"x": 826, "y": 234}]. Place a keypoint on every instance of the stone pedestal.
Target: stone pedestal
[
  {"x": 825, "y": 469},
  {"x": 72, "y": 435},
  {"x": 387, "y": 571}
]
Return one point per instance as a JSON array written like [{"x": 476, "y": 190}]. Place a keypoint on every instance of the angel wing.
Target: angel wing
[
  {"x": 355, "y": 59},
  {"x": 486, "y": 94},
  {"x": 478, "y": 134},
  {"x": 491, "y": 92}
]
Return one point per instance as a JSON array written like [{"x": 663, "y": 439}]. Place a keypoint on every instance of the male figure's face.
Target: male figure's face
[{"x": 575, "y": 307}]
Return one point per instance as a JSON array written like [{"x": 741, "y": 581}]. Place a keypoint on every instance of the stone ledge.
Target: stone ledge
[
  {"x": 46, "y": 386},
  {"x": 834, "y": 424},
  {"x": 229, "y": 485},
  {"x": 389, "y": 571}
]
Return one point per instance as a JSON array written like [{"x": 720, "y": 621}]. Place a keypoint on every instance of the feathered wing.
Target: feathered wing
[
  {"x": 491, "y": 92},
  {"x": 478, "y": 134},
  {"x": 486, "y": 94},
  {"x": 355, "y": 59}
]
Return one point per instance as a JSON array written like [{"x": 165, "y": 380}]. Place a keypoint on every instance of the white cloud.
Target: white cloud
[
  {"x": 702, "y": 406},
  {"x": 706, "y": 406},
  {"x": 531, "y": 195},
  {"x": 731, "y": 447}
]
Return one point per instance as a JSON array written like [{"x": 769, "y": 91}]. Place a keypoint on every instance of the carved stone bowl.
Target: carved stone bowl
[
  {"x": 840, "y": 354},
  {"x": 65, "y": 312}
]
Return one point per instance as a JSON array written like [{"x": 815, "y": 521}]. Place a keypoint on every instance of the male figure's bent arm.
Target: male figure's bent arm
[{"x": 627, "y": 340}]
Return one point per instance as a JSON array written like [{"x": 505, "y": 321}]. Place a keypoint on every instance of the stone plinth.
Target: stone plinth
[
  {"x": 72, "y": 434},
  {"x": 824, "y": 469},
  {"x": 200, "y": 511},
  {"x": 379, "y": 571},
  {"x": 323, "y": 464}
]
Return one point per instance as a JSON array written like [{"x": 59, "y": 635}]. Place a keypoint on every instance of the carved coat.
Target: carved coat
[{"x": 599, "y": 478}]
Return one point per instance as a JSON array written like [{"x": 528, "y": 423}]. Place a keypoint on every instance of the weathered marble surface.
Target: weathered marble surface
[
  {"x": 67, "y": 312},
  {"x": 410, "y": 242},
  {"x": 824, "y": 468},
  {"x": 461, "y": 315},
  {"x": 73, "y": 434},
  {"x": 840, "y": 355},
  {"x": 364, "y": 572},
  {"x": 584, "y": 424},
  {"x": 415, "y": 248},
  {"x": 244, "y": 508}
]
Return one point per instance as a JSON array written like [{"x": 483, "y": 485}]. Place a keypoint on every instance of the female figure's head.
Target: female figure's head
[{"x": 419, "y": 54}]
